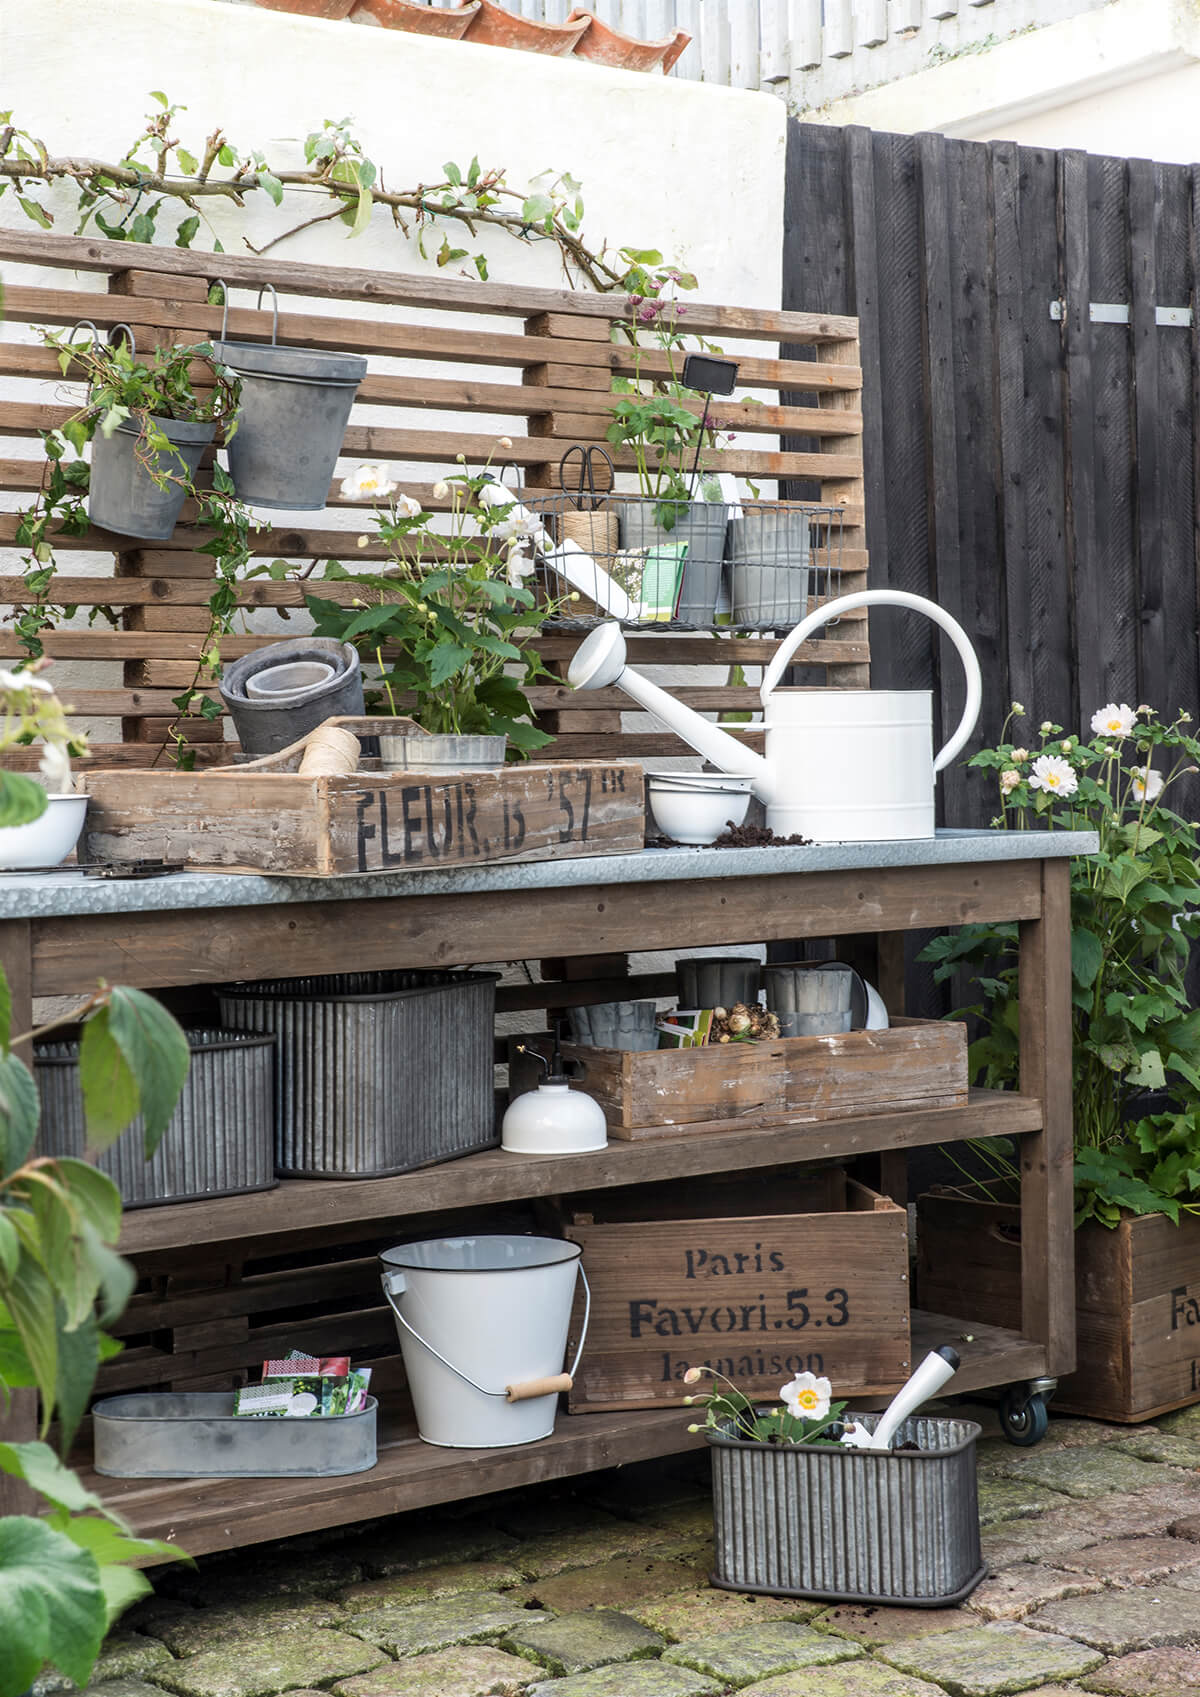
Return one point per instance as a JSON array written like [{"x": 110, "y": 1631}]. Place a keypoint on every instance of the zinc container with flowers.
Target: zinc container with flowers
[
  {"x": 801, "y": 1511},
  {"x": 1135, "y": 1061},
  {"x": 447, "y": 626}
]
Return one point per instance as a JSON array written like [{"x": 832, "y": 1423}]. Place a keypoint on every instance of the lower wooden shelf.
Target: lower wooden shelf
[{"x": 201, "y": 1515}]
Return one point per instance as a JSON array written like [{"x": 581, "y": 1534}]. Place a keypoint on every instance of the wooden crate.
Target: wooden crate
[
  {"x": 283, "y": 823},
  {"x": 914, "y": 1064},
  {"x": 758, "y": 1297},
  {"x": 1137, "y": 1300}
]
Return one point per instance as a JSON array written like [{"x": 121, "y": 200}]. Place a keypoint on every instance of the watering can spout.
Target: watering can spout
[{"x": 599, "y": 663}]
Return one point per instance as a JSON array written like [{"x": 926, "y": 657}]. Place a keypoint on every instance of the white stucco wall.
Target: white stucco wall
[{"x": 693, "y": 170}]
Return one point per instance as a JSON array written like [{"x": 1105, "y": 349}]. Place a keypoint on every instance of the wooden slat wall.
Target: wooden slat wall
[
  {"x": 552, "y": 365},
  {"x": 1038, "y": 478}
]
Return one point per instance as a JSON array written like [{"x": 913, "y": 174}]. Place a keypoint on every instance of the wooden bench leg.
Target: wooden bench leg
[{"x": 1047, "y": 1156}]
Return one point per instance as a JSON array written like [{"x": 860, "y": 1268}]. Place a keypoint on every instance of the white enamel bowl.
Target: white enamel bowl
[
  {"x": 46, "y": 841},
  {"x": 696, "y": 809}
]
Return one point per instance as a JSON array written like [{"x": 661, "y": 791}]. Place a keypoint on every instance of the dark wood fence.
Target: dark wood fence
[{"x": 1031, "y": 469}]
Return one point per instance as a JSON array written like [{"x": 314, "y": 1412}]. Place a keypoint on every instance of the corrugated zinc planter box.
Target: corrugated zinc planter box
[
  {"x": 1137, "y": 1299},
  {"x": 844, "y": 1525},
  {"x": 286, "y": 823},
  {"x": 757, "y": 1297},
  {"x": 661, "y": 1092}
]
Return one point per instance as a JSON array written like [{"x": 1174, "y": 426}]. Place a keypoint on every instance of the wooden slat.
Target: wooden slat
[{"x": 434, "y": 292}]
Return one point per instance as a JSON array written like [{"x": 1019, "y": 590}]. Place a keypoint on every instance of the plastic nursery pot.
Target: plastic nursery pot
[
  {"x": 274, "y": 718},
  {"x": 291, "y": 418},
  {"x": 123, "y": 495},
  {"x": 701, "y": 524}
]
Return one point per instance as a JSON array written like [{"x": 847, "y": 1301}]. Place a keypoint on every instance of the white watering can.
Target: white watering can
[{"x": 842, "y": 765}]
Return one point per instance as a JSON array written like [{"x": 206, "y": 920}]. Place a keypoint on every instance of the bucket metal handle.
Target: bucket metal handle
[
  {"x": 257, "y": 304},
  {"x": 90, "y": 324},
  {"x": 889, "y": 598},
  {"x": 394, "y": 1283}
]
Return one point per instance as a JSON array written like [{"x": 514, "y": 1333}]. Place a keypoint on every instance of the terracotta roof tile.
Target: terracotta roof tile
[{"x": 583, "y": 36}]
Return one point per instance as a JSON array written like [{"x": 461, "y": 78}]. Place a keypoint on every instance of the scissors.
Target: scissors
[{"x": 585, "y": 492}]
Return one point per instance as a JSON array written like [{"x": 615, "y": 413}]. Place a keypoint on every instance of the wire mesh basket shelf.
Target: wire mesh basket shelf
[{"x": 685, "y": 565}]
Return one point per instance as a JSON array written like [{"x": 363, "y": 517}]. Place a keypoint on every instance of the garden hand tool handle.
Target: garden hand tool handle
[
  {"x": 394, "y": 1283},
  {"x": 530, "y": 1388},
  {"x": 889, "y": 598},
  {"x": 939, "y": 1366}
]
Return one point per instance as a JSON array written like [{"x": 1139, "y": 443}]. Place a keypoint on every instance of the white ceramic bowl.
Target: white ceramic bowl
[
  {"x": 46, "y": 841},
  {"x": 699, "y": 813}
]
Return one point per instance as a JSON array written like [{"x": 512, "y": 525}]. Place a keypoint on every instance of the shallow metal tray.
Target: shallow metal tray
[{"x": 196, "y": 1435}]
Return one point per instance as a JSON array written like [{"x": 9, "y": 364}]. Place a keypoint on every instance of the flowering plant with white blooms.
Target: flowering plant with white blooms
[
  {"x": 445, "y": 628},
  {"x": 808, "y": 1413},
  {"x": 1135, "y": 910}
]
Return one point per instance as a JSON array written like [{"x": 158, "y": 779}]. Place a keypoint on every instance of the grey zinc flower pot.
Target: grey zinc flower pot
[
  {"x": 770, "y": 549},
  {"x": 291, "y": 420},
  {"x": 442, "y": 751},
  {"x": 848, "y": 1525},
  {"x": 265, "y": 723},
  {"x": 702, "y": 526},
  {"x": 122, "y": 493}
]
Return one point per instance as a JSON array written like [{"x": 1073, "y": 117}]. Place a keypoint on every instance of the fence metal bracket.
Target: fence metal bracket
[{"x": 1117, "y": 312}]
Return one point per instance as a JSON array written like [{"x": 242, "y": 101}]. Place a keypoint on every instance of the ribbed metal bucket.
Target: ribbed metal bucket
[
  {"x": 291, "y": 420},
  {"x": 443, "y": 752},
  {"x": 122, "y": 494},
  {"x": 377, "y": 1072},
  {"x": 846, "y": 1526},
  {"x": 219, "y": 1141}
]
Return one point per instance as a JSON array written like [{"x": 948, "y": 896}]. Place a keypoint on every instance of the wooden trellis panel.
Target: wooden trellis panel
[{"x": 551, "y": 366}]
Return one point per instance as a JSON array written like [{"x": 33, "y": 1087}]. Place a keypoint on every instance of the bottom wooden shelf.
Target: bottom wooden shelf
[{"x": 201, "y": 1515}]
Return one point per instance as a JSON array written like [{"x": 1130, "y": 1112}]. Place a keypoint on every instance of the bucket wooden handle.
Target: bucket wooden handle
[{"x": 530, "y": 1388}]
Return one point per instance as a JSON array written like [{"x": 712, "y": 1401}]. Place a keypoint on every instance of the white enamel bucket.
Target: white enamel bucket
[
  {"x": 483, "y": 1327},
  {"x": 857, "y": 765}
]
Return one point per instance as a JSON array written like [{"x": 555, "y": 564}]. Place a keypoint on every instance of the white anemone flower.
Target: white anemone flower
[
  {"x": 1147, "y": 784},
  {"x": 1009, "y": 779},
  {"x": 1114, "y": 721},
  {"x": 520, "y": 566},
  {"x": 441, "y": 491},
  {"x": 806, "y": 1397},
  {"x": 1054, "y": 775},
  {"x": 55, "y": 767},
  {"x": 368, "y": 482},
  {"x": 13, "y": 682}
]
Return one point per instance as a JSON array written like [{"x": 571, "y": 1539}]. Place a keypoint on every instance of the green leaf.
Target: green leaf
[
  {"x": 31, "y": 209},
  {"x": 21, "y": 800},
  {"x": 155, "y": 1050},
  {"x": 453, "y": 174},
  {"x": 186, "y": 233},
  {"x": 122, "y": 1586},
  {"x": 1149, "y": 1073},
  {"x": 52, "y": 1606},
  {"x": 110, "y": 1542},
  {"x": 157, "y": 94},
  {"x": 10, "y": 1251},
  {"x": 537, "y": 208},
  {"x": 110, "y": 1090},
  {"x": 227, "y": 156},
  {"x": 272, "y": 185},
  {"x": 362, "y": 215},
  {"x": 20, "y": 1108},
  {"x": 38, "y": 1465},
  {"x": 30, "y": 1301},
  {"x": 78, "y": 1359},
  {"x": 93, "y": 1193},
  {"x": 1087, "y": 956},
  {"x": 187, "y": 161}
]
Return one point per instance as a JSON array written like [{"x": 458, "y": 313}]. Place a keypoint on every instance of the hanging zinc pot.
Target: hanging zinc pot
[
  {"x": 137, "y": 491},
  {"x": 292, "y": 417}
]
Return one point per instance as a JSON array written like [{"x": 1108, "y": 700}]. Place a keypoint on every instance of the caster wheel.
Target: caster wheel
[{"x": 1024, "y": 1417}]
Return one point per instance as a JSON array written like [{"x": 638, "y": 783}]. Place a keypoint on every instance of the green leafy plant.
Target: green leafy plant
[
  {"x": 64, "y": 1576},
  {"x": 1135, "y": 910},
  {"x": 808, "y": 1414},
  {"x": 449, "y": 623}
]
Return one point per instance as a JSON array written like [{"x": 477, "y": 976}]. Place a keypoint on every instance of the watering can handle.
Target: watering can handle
[
  {"x": 889, "y": 598},
  {"x": 394, "y": 1282}
]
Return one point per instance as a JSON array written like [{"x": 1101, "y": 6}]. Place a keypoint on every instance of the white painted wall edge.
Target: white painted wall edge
[{"x": 971, "y": 95}]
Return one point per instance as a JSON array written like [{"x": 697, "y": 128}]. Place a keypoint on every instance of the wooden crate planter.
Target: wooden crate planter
[
  {"x": 281, "y": 822},
  {"x": 758, "y": 1297},
  {"x": 1137, "y": 1300},
  {"x": 659, "y": 1093}
]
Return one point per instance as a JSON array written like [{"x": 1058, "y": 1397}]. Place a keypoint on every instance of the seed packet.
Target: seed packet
[
  {"x": 290, "y": 1399},
  {"x": 345, "y": 1395},
  {"x": 684, "y": 1028},
  {"x": 318, "y": 1367}
]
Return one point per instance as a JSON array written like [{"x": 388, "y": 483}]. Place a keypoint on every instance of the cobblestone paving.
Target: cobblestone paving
[{"x": 597, "y": 1588}]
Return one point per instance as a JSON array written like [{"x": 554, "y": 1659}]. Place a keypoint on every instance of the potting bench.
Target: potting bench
[{"x": 60, "y": 931}]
